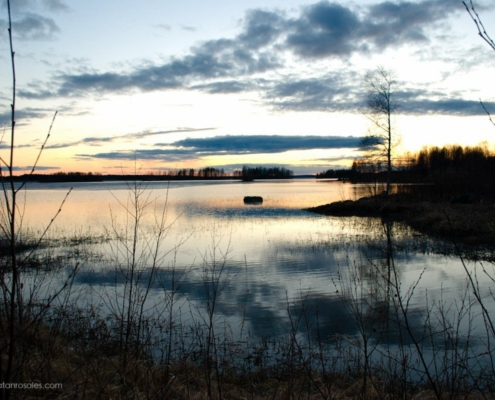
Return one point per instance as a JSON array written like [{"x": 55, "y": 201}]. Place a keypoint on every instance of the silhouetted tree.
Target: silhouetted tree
[{"x": 380, "y": 106}]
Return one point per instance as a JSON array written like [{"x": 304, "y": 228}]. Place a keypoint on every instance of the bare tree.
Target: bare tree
[{"x": 380, "y": 106}]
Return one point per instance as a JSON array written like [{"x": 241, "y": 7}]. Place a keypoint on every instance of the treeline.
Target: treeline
[
  {"x": 461, "y": 174},
  {"x": 248, "y": 173},
  {"x": 335, "y": 173},
  {"x": 63, "y": 177},
  {"x": 178, "y": 174},
  {"x": 468, "y": 160},
  {"x": 208, "y": 172},
  {"x": 447, "y": 171}
]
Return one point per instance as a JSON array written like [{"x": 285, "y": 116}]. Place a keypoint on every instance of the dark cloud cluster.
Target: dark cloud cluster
[
  {"x": 445, "y": 106},
  {"x": 333, "y": 92},
  {"x": 221, "y": 59},
  {"x": 330, "y": 29},
  {"x": 255, "y": 144},
  {"x": 225, "y": 65},
  {"x": 191, "y": 148},
  {"x": 31, "y": 26},
  {"x": 325, "y": 29},
  {"x": 233, "y": 65},
  {"x": 35, "y": 27},
  {"x": 338, "y": 92},
  {"x": 28, "y": 22}
]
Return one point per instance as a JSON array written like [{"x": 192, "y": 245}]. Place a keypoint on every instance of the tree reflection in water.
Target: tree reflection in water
[{"x": 401, "y": 338}]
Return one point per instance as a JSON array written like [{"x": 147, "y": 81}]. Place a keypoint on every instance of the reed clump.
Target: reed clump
[{"x": 86, "y": 370}]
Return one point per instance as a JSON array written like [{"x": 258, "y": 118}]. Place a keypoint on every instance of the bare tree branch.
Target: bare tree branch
[
  {"x": 487, "y": 113},
  {"x": 484, "y": 35},
  {"x": 479, "y": 25}
]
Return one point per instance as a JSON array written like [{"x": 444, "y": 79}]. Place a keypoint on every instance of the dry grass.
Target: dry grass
[
  {"x": 469, "y": 224},
  {"x": 90, "y": 374}
]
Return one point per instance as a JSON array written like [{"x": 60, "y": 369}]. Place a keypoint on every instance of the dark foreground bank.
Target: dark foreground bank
[{"x": 468, "y": 224}]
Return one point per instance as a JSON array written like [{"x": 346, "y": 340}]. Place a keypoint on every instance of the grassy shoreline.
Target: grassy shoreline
[
  {"x": 85, "y": 362},
  {"x": 468, "y": 224}
]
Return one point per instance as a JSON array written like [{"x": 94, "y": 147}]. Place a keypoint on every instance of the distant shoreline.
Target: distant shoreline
[{"x": 40, "y": 178}]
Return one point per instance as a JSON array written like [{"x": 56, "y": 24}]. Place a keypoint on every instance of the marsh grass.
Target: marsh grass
[
  {"x": 83, "y": 353},
  {"x": 142, "y": 334},
  {"x": 186, "y": 351}
]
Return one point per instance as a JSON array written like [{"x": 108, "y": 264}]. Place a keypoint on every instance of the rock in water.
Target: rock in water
[{"x": 253, "y": 199}]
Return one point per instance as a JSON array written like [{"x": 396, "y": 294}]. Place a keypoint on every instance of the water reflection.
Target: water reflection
[{"x": 377, "y": 285}]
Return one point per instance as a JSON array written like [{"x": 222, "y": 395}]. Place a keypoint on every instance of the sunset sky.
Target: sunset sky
[{"x": 196, "y": 83}]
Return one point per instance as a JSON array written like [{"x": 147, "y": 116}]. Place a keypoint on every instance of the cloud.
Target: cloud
[
  {"x": 224, "y": 87},
  {"x": 338, "y": 92},
  {"x": 56, "y": 5},
  {"x": 327, "y": 160},
  {"x": 333, "y": 92},
  {"x": 19, "y": 6},
  {"x": 165, "y": 155},
  {"x": 28, "y": 21},
  {"x": 407, "y": 19},
  {"x": 423, "y": 101},
  {"x": 33, "y": 27},
  {"x": 261, "y": 28},
  {"x": 257, "y": 144},
  {"x": 35, "y": 95},
  {"x": 98, "y": 141},
  {"x": 188, "y": 149},
  {"x": 162, "y": 27},
  {"x": 266, "y": 40},
  {"x": 446, "y": 106},
  {"x": 188, "y": 28},
  {"x": 6, "y": 146},
  {"x": 213, "y": 59},
  {"x": 222, "y": 61},
  {"x": 28, "y": 168},
  {"x": 323, "y": 29},
  {"x": 22, "y": 114}
]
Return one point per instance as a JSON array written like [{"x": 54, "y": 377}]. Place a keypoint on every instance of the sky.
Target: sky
[{"x": 160, "y": 85}]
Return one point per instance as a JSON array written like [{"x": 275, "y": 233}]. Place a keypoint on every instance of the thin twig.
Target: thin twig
[
  {"x": 41, "y": 150},
  {"x": 42, "y": 236},
  {"x": 487, "y": 113},
  {"x": 479, "y": 24}
]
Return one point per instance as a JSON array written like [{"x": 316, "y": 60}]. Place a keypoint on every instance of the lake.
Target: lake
[{"x": 258, "y": 271}]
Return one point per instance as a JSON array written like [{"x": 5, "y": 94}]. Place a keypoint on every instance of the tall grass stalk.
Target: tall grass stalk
[
  {"x": 19, "y": 317},
  {"x": 137, "y": 255}
]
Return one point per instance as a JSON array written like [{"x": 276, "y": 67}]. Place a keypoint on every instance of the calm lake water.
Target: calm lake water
[{"x": 274, "y": 260}]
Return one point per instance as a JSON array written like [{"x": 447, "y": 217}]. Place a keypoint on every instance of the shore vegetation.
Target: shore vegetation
[{"x": 140, "y": 337}]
